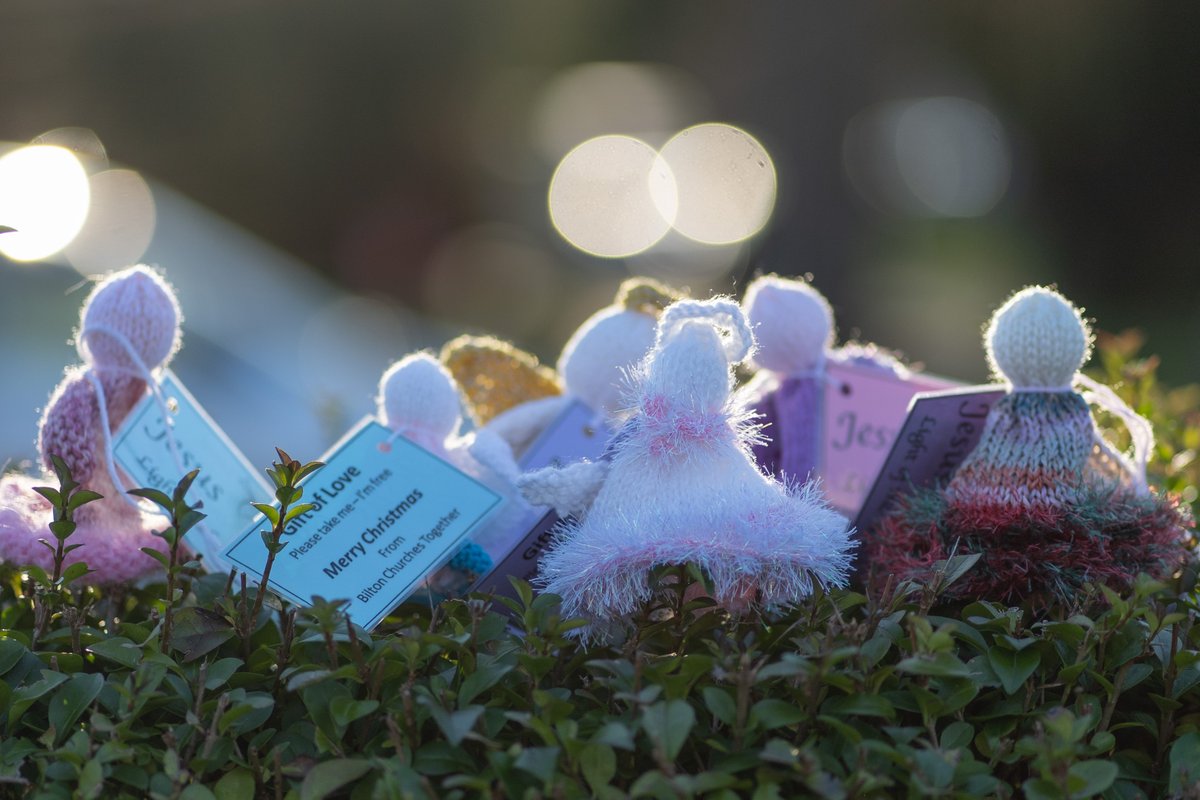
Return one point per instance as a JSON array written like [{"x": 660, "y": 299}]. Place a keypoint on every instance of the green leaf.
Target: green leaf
[
  {"x": 867, "y": 705},
  {"x": 539, "y": 761},
  {"x": 160, "y": 499},
  {"x": 72, "y": 699},
  {"x": 199, "y": 631},
  {"x": 268, "y": 511},
  {"x": 62, "y": 528},
  {"x": 160, "y": 557},
  {"x": 454, "y": 724},
  {"x": 238, "y": 784},
  {"x": 1185, "y": 763},
  {"x": 954, "y": 568},
  {"x": 775, "y": 714},
  {"x": 75, "y": 571},
  {"x": 720, "y": 704},
  {"x": 296, "y": 511},
  {"x": 1090, "y": 778},
  {"x": 1013, "y": 668},
  {"x": 486, "y": 675},
  {"x": 668, "y": 724},
  {"x": 328, "y": 776},
  {"x": 219, "y": 671},
  {"x": 196, "y": 791},
  {"x": 346, "y": 710},
  {"x": 118, "y": 649},
  {"x": 599, "y": 765},
  {"x": 181, "y": 488},
  {"x": 51, "y": 494},
  {"x": 11, "y": 651},
  {"x": 83, "y": 497},
  {"x": 942, "y": 665},
  {"x": 26, "y": 696}
]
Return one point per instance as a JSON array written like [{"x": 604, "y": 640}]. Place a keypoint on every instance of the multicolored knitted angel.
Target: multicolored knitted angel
[
  {"x": 1045, "y": 500},
  {"x": 682, "y": 487},
  {"x": 129, "y": 327},
  {"x": 591, "y": 367},
  {"x": 419, "y": 400}
]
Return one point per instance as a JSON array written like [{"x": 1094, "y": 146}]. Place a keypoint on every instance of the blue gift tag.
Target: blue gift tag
[
  {"x": 387, "y": 514},
  {"x": 577, "y": 433},
  {"x": 226, "y": 485}
]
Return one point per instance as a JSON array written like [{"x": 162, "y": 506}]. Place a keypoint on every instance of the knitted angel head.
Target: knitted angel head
[
  {"x": 1048, "y": 503},
  {"x": 419, "y": 399},
  {"x": 682, "y": 488},
  {"x": 590, "y": 369},
  {"x": 794, "y": 326},
  {"x": 129, "y": 327}
]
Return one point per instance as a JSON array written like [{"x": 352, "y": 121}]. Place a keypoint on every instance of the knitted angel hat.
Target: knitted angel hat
[
  {"x": 594, "y": 361},
  {"x": 682, "y": 488},
  {"x": 1048, "y": 503},
  {"x": 794, "y": 326},
  {"x": 419, "y": 399},
  {"x": 129, "y": 327}
]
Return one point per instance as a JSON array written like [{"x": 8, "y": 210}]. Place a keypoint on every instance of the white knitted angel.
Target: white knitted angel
[
  {"x": 419, "y": 400},
  {"x": 682, "y": 487}
]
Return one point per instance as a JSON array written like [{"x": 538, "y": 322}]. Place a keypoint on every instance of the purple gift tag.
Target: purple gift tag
[
  {"x": 941, "y": 430},
  {"x": 864, "y": 408},
  {"x": 577, "y": 433},
  {"x": 522, "y": 561}
]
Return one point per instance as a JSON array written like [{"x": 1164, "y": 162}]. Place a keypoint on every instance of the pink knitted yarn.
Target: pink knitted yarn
[{"x": 133, "y": 308}]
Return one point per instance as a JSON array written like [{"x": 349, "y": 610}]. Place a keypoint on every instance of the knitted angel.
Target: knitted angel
[
  {"x": 682, "y": 487},
  {"x": 793, "y": 324},
  {"x": 129, "y": 327},
  {"x": 1045, "y": 500},
  {"x": 419, "y": 400},
  {"x": 591, "y": 367}
]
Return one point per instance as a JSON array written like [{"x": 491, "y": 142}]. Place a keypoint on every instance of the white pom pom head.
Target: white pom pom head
[
  {"x": 135, "y": 305},
  {"x": 417, "y": 394},
  {"x": 1038, "y": 340},
  {"x": 690, "y": 368},
  {"x": 595, "y": 359},
  {"x": 792, "y": 322},
  {"x": 696, "y": 343}
]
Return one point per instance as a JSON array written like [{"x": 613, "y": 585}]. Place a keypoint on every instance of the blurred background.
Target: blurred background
[{"x": 330, "y": 186}]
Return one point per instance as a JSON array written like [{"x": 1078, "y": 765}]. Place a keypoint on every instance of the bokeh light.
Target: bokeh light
[
  {"x": 725, "y": 182},
  {"x": 933, "y": 156},
  {"x": 644, "y": 100},
  {"x": 44, "y": 196},
  {"x": 613, "y": 196},
  {"x": 120, "y": 223}
]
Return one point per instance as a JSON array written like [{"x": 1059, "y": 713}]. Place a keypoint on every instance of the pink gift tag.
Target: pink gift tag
[
  {"x": 864, "y": 408},
  {"x": 941, "y": 430}
]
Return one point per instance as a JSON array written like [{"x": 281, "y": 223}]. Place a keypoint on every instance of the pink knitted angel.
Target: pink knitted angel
[
  {"x": 129, "y": 326},
  {"x": 682, "y": 487}
]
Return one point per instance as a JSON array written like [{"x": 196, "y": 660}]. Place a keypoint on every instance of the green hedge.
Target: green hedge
[{"x": 194, "y": 690}]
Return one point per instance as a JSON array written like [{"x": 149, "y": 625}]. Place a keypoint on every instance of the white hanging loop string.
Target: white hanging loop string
[
  {"x": 143, "y": 372},
  {"x": 1140, "y": 431}
]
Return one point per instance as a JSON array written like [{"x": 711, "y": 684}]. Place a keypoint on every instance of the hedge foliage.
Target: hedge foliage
[{"x": 196, "y": 687}]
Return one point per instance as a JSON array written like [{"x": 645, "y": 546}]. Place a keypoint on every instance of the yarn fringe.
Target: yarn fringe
[{"x": 1042, "y": 554}]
